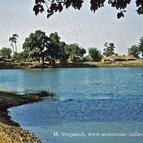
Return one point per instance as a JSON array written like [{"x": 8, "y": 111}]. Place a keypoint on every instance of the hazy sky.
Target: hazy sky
[{"x": 84, "y": 27}]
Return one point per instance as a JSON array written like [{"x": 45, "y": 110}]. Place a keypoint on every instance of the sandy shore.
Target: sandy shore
[{"x": 11, "y": 132}]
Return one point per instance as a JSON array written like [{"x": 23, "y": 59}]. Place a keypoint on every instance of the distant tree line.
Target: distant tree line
[{"x": 50, "y": 49}]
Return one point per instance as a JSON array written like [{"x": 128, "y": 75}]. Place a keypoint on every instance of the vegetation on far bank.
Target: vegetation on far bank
[{"x": 49, "y": 51}]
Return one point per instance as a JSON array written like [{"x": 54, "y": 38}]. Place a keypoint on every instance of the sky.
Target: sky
[{"x": 84, "y": 27}]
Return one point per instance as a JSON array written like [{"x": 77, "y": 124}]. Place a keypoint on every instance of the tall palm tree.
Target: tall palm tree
[{"x": 13, "y": 41}]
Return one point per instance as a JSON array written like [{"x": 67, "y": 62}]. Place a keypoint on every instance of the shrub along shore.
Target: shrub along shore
[{"x": 10, "y": 131}]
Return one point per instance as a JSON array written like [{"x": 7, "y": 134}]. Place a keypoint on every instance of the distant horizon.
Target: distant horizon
[{"x": 83, "y": 27}]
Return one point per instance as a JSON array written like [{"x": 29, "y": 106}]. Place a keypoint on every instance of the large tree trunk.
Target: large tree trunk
[
  {"x": 15, "y": 48},
  {"x": 12, "y": 48},
  {"x": 42, "y": 60},
  {"x": 42, "y": 57}
]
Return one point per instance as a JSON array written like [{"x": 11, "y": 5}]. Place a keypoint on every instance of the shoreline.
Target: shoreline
[
  {"x": 27, "y": 65},
  {"x": 11, "y": 131}
]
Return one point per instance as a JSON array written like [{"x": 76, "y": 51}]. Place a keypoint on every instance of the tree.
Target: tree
[
  {"x": 6, "y": 53},
  {"x": 62, "y": 54},
  {"x": 13, "y": 41},
  {"x": 54, "y": 38},
  {"x": 82, "y": 52},
  {"x": 36, "y": 45},
  {"x": 87, "y": 58},
  {"x": 74, "y": 52},
  {"x": 141, "y": 46},
  {"x": 41, "y": 47},
  {"x": 134, "y": 51},
  {"x": 54, "y": 6},
  {"x": 95, "y": 54},
  {"x": 56, "y": 49},
  {"x": 109, "y": 50}
]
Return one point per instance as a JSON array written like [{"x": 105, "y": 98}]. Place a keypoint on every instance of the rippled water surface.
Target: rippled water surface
[{"x": 94, "y": 105}]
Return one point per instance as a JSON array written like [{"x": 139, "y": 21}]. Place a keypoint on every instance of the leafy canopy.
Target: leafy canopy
[
  {"x": 134, "y": 51},
  {"x": 5, "y": 52},
  {"x": 36, "y": 44},
  {"x": 74, "y": 52},
  {"x": 109, "y": 50},
  {"x": 41, "y": 47},
  {"x": 53, "y": 6},
  {"x": 56, "y": 48},
  {"x": 95, "y": 54},
  {"x": 141, "y": 46}
]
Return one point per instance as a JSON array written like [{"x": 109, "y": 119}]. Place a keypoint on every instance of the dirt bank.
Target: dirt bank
[{"x": 10, "y": 132}]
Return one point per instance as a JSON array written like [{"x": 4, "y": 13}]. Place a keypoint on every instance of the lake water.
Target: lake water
[{"x": 94, "y": 105}]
